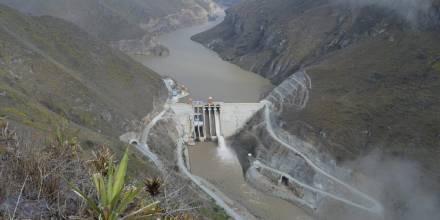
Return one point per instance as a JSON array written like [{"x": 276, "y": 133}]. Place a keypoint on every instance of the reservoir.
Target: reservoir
[
  {"x": 203, "y": 71},
  {"x": 205, "y": 74}
]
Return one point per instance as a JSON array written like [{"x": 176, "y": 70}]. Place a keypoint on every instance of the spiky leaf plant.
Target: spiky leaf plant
[
  {"x": 153, "y": 185},
  {"x": 113, "y": 196},
  {"x": 101, "y": 161}
]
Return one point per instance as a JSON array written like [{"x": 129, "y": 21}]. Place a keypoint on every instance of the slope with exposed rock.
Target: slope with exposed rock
[
  {"x": 54, "y": 75},
  {"x": 374, "y": 70},
  {"x": 130, "y": 25},
  {"x": 375, "y": 73}
]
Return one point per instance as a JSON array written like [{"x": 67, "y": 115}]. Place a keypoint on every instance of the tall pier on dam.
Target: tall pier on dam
[{"x": 206, "y": 121}]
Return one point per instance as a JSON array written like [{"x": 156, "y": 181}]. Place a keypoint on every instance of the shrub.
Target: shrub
[
  {"x": 153, "y": 186},
  {"x": 101, "y": 161},
  {"x": 113, "y": 196}
]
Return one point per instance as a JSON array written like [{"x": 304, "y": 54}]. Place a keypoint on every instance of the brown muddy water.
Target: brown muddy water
[
  {"x": 203, "y": 71},
  {"x": 206, "y": 74}
]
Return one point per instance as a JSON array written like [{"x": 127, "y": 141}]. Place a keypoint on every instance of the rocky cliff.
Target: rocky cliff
[
  {"x": 227, "y": 3},
  {"x": 128, "y": 25},
  {"x": 374, "y": 72}
]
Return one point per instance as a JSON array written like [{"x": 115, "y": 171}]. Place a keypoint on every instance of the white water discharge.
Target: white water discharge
[
  {"x": 238, "y": 212},
  {"x": 216, "y": 169},
  {"x": 297, "y": 85},
  {"x": 223, "y": 151},
  {"x": 234, "y": 210}
]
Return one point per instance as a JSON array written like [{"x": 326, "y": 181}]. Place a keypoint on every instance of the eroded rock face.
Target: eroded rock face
[
  {"x": 276, "y": 38},
  {"x": 363, "y": 59},
  {"x": 146, "y": 46},
  {"x": 195, "y": 12},
  {"x": 129, "y": 25},
  {"x": 259, "y": 143}
]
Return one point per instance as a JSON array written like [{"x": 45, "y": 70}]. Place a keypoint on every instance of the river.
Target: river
[{"x": 206, "y": 74}]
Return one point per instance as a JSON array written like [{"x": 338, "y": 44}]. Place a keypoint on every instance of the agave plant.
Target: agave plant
[
  {"x": 101, "y": 161},
  {"x": 112, "y": 199},
  {"x": 153, "y": 185}
]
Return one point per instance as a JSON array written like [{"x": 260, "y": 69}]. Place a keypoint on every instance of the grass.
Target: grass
[
  {"x": 36, "y": 172},
  {"x": 101, "y": 81},
  {"x": 436, "y": 66},
  {"x": 215, "y": 212},
  {"x": 41, "y": 172},
  {"x": 114, "y": 196}
]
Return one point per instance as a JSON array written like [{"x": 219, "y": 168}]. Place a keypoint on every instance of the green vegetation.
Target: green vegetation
[
  {"x": 215, "y": 213},
  {"x": 436, "y": 66},
  {"x": 41, "y": 173},
  {"x": 101, "y": 18},
  {"x": 113, "y": 197},
  {"x": 45, "y": 56},
  {"x": 375, "y": 78},
  {"x": 37, "y": 172}
]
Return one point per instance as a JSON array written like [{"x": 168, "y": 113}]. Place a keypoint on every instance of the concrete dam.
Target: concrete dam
[
  {"x": 278, "y": 164},
  {"x": 267, "y": 173},
  {"x": 212, "y": 121}
]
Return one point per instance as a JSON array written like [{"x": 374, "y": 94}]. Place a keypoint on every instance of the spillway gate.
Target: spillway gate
[{"x": 205, "y": 121}]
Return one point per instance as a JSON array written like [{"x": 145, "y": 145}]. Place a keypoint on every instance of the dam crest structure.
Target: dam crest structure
[{"x": 205, "y": 121}]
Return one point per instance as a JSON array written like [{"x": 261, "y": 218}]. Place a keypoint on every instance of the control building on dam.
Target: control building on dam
[{"x": 206, "y": 121}]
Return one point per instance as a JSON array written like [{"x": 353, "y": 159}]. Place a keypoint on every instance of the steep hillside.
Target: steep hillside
[
  {"x": 134, "y": 20},
  {"x": 374, "y": 69},
  {"x": 227, "y": 3},
  {"x": 56, "y": 79},
  {"x": 283, "y": 35},
  {"x": 51, "y": 70},
  {"x": 363, "y": 61}
]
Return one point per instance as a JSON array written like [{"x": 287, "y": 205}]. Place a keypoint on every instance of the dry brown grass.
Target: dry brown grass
[
  {"x": 36, "y": 180},
  {"x": 35, "y": 177},
  {"x": 101, "y": 161}
]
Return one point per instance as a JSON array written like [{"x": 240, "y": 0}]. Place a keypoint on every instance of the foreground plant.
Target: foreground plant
[
  {"x": 101, "y": 161},
  {"x": 153, "y": 185},
  {"x": 8, "y": 137},
  {"x": 112, "y": 200}
]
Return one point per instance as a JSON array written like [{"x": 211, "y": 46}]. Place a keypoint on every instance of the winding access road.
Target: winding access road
[{"x": 375, "y": 206}]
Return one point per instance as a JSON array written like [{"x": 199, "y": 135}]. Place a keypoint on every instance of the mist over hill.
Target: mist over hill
[
  {"x": 357, "y": 86},
  {"x": 130, "y": 25},
  {"x": 374, "y": 69}
]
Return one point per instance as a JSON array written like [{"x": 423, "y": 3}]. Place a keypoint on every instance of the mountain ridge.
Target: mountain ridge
[{"x": 374, "y": 75}]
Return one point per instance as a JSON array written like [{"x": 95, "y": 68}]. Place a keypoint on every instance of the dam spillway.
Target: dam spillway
[
  {"x": 205, "y": 121},
  {"x": 199, "y": 124},
  {"x": 239, "y": 91}
]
